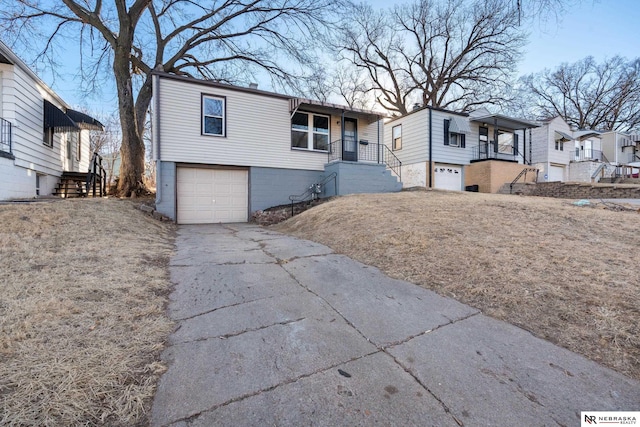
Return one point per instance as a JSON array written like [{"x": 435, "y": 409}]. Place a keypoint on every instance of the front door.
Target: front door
[{"x": 350, "y": 140}]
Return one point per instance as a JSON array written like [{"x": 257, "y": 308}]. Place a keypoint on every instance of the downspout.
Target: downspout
[
  {"x": 530, "y": 140},
  {"x": 155, "y": 131},
  {"x": 495, "y": 136},
  {"x": 524, "y": 146},
  {"x": 430, "y": 148},
  {"x": 342, "y": 135},
  {"x": 378, "y": 127}
]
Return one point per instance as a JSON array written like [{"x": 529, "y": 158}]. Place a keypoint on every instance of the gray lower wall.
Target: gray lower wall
[
  {"x": 270, "y": 187},
  {"x": 353, "y": 178},
  {"x": 267, "y": 186},
  {"x": 166, "y": 189}
]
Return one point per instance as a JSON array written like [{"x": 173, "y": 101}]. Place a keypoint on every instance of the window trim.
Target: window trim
[
  {"x": 310, "y": 131},
  {"x": 47, "y": 137},
  {"x": 78, "y": 145},
  {"x": 394, "y": 145},
  {"x": 461, "y": 138},
  {"x": 204, "y": 96}
]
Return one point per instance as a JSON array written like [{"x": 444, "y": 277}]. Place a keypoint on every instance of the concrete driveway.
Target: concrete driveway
[{"x": 274, "y": 330}]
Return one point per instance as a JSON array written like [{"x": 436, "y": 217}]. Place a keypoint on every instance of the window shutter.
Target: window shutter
[
  {"x": 515, "y": 143},
  {"x": 446, "y": 132},
  {"x": 462, "y": 140}
]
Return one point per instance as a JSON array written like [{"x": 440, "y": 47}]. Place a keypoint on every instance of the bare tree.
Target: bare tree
[
  {"x": 587, "y": 94},
  {"x": 107, "y": 143},
  {"x": 444, "y": 53},
  {"x": 218, "y": 39}
]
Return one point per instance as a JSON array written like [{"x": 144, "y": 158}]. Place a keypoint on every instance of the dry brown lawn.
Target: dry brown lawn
[
  {"x": 83, "y": 288},
  {"x": 568, "y": 274}
]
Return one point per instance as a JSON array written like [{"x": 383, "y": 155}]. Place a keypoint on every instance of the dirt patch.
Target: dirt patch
[
  {"x": 566, "y": 273},
  {"x": 83, "y": 286}
]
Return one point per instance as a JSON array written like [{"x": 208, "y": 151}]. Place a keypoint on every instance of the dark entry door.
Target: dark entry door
[{"x": 350, "y": 140}]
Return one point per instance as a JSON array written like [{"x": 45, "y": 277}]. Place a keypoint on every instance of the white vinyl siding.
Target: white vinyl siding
[
  {"x": 544, "y": 150},
  {"x": 258, "y": 128},
  {"x": 258, "y": 131},
  {"x": 415, "y": 139},
  {"x": 23, "y": 106}
]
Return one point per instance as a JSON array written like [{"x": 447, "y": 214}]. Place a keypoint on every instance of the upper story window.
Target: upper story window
[
  {"x": 213, "y": 115},
  {"x": 453, "y": 139},
  {"x": 397, "y": 137},
  {"x": 47, "y": 137},
  {"x": 310, "y": 131},
  {"x": 559, "y": 145}
]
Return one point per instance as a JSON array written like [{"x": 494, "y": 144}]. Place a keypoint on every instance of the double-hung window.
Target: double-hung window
[
  {"x": 397, "y": 137},
  {"x": 453, "y": 139},
  {"x": 310, "y": 131},
  {"x": 213, "y": 115}
]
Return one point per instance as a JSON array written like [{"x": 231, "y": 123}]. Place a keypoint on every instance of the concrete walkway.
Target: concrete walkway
[{"x": 277, "y": 331}]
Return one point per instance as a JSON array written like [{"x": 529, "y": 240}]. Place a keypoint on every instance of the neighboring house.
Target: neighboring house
[
  {"x": 447, "y": 150},
  {"x": 40, "y": 136},
  {"x": 621, "y": 148},
  {"x": 552, "y": 149},
  {"x": 223, "y": 152},
  {"x": 589, "y": 164}
]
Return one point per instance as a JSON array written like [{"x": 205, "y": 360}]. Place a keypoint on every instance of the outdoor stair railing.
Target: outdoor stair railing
[
  {"x": 314, "y": 191},
  {"x": 96, "y": 177},
  {"x": 368, "y": 152},
  {"x": 522, "y": 172}
]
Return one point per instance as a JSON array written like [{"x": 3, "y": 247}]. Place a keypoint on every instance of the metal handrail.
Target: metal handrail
[
  {"x": 483, "y": 152},
  {"x": 5, "y": 135},
  {"x": 523, "y": 172},
  {"x": 368, "y": 152},
  {"x": 590, "y": 154},
  {"x": 392, "y": 161},
  {"x": 96, "y": 177},
  {"x": 314, "y": 190}
]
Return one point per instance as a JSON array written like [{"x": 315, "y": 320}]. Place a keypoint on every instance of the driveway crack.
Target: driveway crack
[
  {"x": 191, "y": 418},
  {"x": 235, "y": 334}
]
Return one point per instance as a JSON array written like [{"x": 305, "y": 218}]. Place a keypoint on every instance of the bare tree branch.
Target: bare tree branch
[{"x": 588, "y": 95}]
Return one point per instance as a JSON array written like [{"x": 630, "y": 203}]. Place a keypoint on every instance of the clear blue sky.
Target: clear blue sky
[{"x": 601, "y": 28}]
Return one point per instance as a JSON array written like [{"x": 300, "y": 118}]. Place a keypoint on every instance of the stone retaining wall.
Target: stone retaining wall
[{"x": 570, "y": 190}]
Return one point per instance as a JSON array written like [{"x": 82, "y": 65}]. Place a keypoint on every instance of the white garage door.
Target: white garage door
[
  {"x": 208, "y": 196},
  {"x": 448, "y": 177},
  {"x": 556, "y": 173}
]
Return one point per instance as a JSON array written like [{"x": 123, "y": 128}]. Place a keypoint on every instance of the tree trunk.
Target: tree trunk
[{"x": 132, "y": 149}]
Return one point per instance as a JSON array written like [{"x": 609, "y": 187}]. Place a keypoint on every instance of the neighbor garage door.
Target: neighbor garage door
[
  {"x": 208, "y": 196},
  {"x": 448, "y": 177},
  {"x": 556, "y": 173}
]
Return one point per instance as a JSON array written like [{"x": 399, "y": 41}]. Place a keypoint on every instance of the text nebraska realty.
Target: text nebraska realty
[{"x": 592, "y": 419}]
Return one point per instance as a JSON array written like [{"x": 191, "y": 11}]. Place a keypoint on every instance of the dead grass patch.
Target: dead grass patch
[
  {"x": 568, "y": 274},
  {"x": 83, "y": 288}
]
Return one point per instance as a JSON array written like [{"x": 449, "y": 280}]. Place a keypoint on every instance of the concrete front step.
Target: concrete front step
[{"x": 359, "y": 177}]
